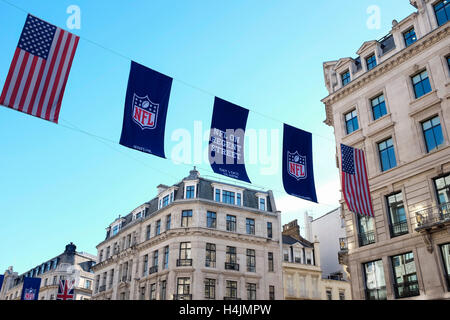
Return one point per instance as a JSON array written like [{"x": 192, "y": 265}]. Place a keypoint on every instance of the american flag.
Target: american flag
[
  {"x": 355, "y": 184},
  {"x": 38, "y": 74},
  {"x": 65, "y": 290}
]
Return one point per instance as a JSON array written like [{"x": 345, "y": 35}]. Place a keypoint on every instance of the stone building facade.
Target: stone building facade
[
  {"x": 302, "y": 271},
  {"x": 198, "y": 239},
  {"x": 70, "y": 264},
  {"x": 392, "y": 101}
]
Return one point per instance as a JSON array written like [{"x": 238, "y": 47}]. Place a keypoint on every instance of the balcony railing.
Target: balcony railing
[
  {"x": 210, "y": 264},
  {"x": 407, "y": 289},
  {"x": 251, "y": 268},
  {"x": 366, "y": 238},
  {"x": 399, "y": 228},
  {"x": 153, "y": 269},
  {"x": 182, "y": 297},
  {"x": 124, "y": 278},
  {"x": 102, "y": 288},
  {"x": 376, "y": 294},
  {"x": 184, "y": 262},
  {"x": 433, "y": 215},
  {"x": 231, "y": 266},
  {"x": 231, "y": 298}
]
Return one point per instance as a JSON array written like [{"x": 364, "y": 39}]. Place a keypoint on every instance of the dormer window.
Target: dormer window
[
  {"x": 371, "y": 62},
  {"x": 165, "y": 201},
  {"x": 410, "y": 37},
  {"x": 228, "y": 194},
  {"x": 345, "y": 78},
  {"x": 115, "y": 229},
  {"x": 190, "y": 192},
  {"x": 262, "y": 204}
]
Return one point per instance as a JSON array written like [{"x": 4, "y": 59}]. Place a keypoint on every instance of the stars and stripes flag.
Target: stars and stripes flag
[
  {"x": 355, "y": 184},
  {"x": 65, "y": 290},
  {"x": 39, "y": 70}
]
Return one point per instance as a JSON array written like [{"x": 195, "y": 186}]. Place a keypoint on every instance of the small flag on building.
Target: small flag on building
[
  {"x": 30, "y": 288},
  {"x": 355, "y": 184},
  {"x": 39, "y": 71},
  {"x": 65, "y": 290}
]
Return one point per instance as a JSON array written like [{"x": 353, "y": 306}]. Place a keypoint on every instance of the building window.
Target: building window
[
  {"x": 432, "y": 132},
  {"x": 190, "y": 192},
  {"x": 448, "y": 62},
  {"x": 147, "y": 233},
  {"x": 158, "y": 227},
  {"x": 231, "y": 223},
  {"x": 270, "y": 259},
  {"x": 251, "y": 291},
  {"x": 329, "y": 294},
  {"x": 410, "y": 37},
  {"x": 387, "y": 155},
  {"x": 250, "y": 226},
  {"x": 371, "y": 62},
  {"x": 186, "y": 218},
  {"x": 366, "y": 230},
  {"x": 443, "y": 190},
  {"x": 115, "y": 230},
  {"x": 153, "y": 291},
  {"x": 183, "y": 289},
  {"x": 397, "y": 215},
  {"x": 162, "y": 290},
  {"x": 271, "y": 292},
  {"x": 211, "y": 220},
  {"x": 210, "y": 260},
  {"x": 168, "y": 221},
  {"x": 374, "y": 280},
  {"x": 111, "y": 278},
  {"x": 442, "y": 10},
  {"x": 145, "y": 268},
  {"x": 421, "y": 84},
  {"x": 230, "y": 259},
  {"x": 269, "y": 230},
  {"x": 345, "y": 78},
  {"x": 165, "y": 201},
  {"x": 218, "y": 195},
  {"x": 251, "y": 260},
  {"x": 231, "y": 290},
  {"x": 210, "y": 288},
  {"x": 166, "y": 257},
  {"x": 405, "y": 277},
  {"x": 155, "y": 259},
  {"x": 445, "y": 251},
  {"x": 228, "y": 197},
  {"x": 262, "y": 204},
  {"x": 185, "y": 255},
  {"x": 378, "y": 107},
  {"x": 142, "y": 293},
  {"x": 351, "y": 121},
  {"x": 341, "y": 295},
  {"x": 238, "y": 199}
]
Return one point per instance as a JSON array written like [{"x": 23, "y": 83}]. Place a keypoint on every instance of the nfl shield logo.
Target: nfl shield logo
[
  {"x": 296, "y": 165},
  {"x": 145, "y": 112},
  {"x": 29, "y": 294}
]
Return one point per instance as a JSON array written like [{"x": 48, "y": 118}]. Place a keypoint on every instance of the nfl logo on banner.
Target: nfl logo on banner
[
  {"x": 145, "y": 112},
  {"x": 297, "y": 165},
  {"x": 30, "y": 294}
]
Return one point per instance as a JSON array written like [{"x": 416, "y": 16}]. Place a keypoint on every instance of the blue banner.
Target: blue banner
[
  {"x": 1, "y": 281},
  {"x": 30, "y": 289},
  {"x": 146, "y": 104},
  {"x": 226, "y": 142},
  {"x": 298, "y": 173}
]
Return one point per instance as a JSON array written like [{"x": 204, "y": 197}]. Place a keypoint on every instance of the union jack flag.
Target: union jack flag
[
  {"x": 355, "y": 184},
  {"x": 39, "y": 70},
  {"x": 66, "y": 290}
]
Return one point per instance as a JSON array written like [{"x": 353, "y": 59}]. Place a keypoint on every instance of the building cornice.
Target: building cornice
[{"x": 396, "y": 60}]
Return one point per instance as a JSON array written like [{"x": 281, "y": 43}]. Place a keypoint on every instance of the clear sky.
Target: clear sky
[{"x": 59, "y": 185}]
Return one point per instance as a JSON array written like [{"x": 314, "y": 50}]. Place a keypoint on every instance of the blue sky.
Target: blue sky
[{"x": 58, "y": 185}]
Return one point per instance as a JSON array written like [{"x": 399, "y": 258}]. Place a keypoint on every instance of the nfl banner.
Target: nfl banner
[
  {"x": 30, "y": 289},
  {"x": 1, "y": 281},
  {"x": 298, "y": 173},
  {"x": 39, "y": 70},
  {"x": 146, "y": 104},
  {"x": 226, "y": 142},
  {"x": 66, "y": 290}
]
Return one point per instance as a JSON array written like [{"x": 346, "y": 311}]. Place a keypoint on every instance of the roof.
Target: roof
[{"x": 290, "y": 241}]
